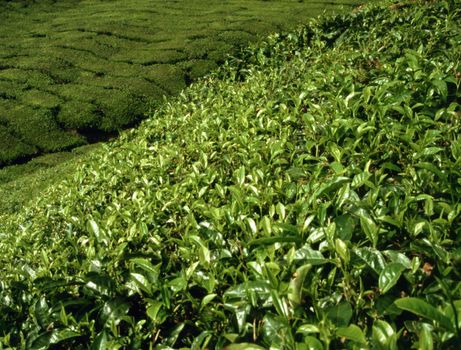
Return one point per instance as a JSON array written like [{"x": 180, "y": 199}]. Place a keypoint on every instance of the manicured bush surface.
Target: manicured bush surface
[
  {"x": 22, "y": 183},
  {"x": 55, "y": 55},
  {"x": 306, "y": 196}
]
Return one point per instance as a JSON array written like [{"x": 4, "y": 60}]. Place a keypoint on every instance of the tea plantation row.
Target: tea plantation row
[
  {"x": 73, "y": 72},
  {"x": 306, "y": 196}
]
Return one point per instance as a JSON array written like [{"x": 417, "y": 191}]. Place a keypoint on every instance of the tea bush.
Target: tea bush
[
  {"x": 305, "y": 196},
  {"x": 57, "y": 54}
]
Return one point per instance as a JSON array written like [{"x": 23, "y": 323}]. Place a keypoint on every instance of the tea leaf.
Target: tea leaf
[
  {"x": 352, "y": 332},
  {"x": 340, "y": 314},
  {"x": 389, "y": 276},
  {"x": 423, "y": 309}
]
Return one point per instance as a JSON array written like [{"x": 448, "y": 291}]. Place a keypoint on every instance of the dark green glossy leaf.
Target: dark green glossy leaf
[
  {"x": 276, "y": 330},
  {"x": 241, "y": 290},
  {"x": 309, "y": 256},
  {"x": 45, "y": 340},
  {"x": 332, "y": 185},
  {"x": 42, "y": 342},
  {"x": 370, "y": 229},
  {"x": 340, "y": 314},
  {"x": 114, "y": 310},
  {"x": 313, "y": 343},
  {"x": 42, "y": 311},
  {"x": 389, "y": 276},
  {"x": 397, "y": 257},
  {"x": 93, "y": 227},
  {"x": 139, "y": 283},
  {"x": 174, "y": 335},
  {"x": 345, "y": 225},
  {"x": 342, "y": 250},
  {"x": 295, "y": 289},
  {"x": 280, "y": 304},
  {"x": 241, "y": 312},
  {"x": 384, "y": 336},
  {"x": 372, "y": 257},
  {"x": 155, "y": 311},
  {"x": 441, "y": 87},
  {"x": 100, "y": 342},
  {"x": 432, "y": 168},
  {"x": 423, "y": 309},
  {"x": 353, "y": 333},
  {"x": 207, "y": 299},
  {"x": 178, "y": 284},
  {"x": 426, "y": 341},
  {"x": 202, "y": 340},
  {"x": 100, "y": 283},
  {"x": 63, "y": 334},
  {"x": 146, "y": 265}
]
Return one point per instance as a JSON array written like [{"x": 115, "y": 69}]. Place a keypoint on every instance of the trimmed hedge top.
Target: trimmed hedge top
[{"x": 72, "y": 72}]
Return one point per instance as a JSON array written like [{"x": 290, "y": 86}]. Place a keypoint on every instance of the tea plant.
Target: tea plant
[
  {"x": 305, "y": 196},
  {"x": 72, "y": 72}
]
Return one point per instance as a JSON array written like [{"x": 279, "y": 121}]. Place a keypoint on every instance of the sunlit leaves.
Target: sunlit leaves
[
  {"x": 295, "y": 289},
  {"x": 308, "y": 203},
  {"x": 389, "y": 276},
  {"x": 353, "y": 333},
  {"x": 384, "y": 336}
]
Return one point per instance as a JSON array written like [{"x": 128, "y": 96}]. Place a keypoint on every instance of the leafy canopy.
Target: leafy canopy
[{"x": 305, "y": 196}]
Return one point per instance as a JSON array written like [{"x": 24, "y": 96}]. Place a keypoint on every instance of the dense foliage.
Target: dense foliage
[
  {"x": 72, "y": 72},
  {"x": 22, "y": 183},
  {"x": 306, "y": 196}
]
